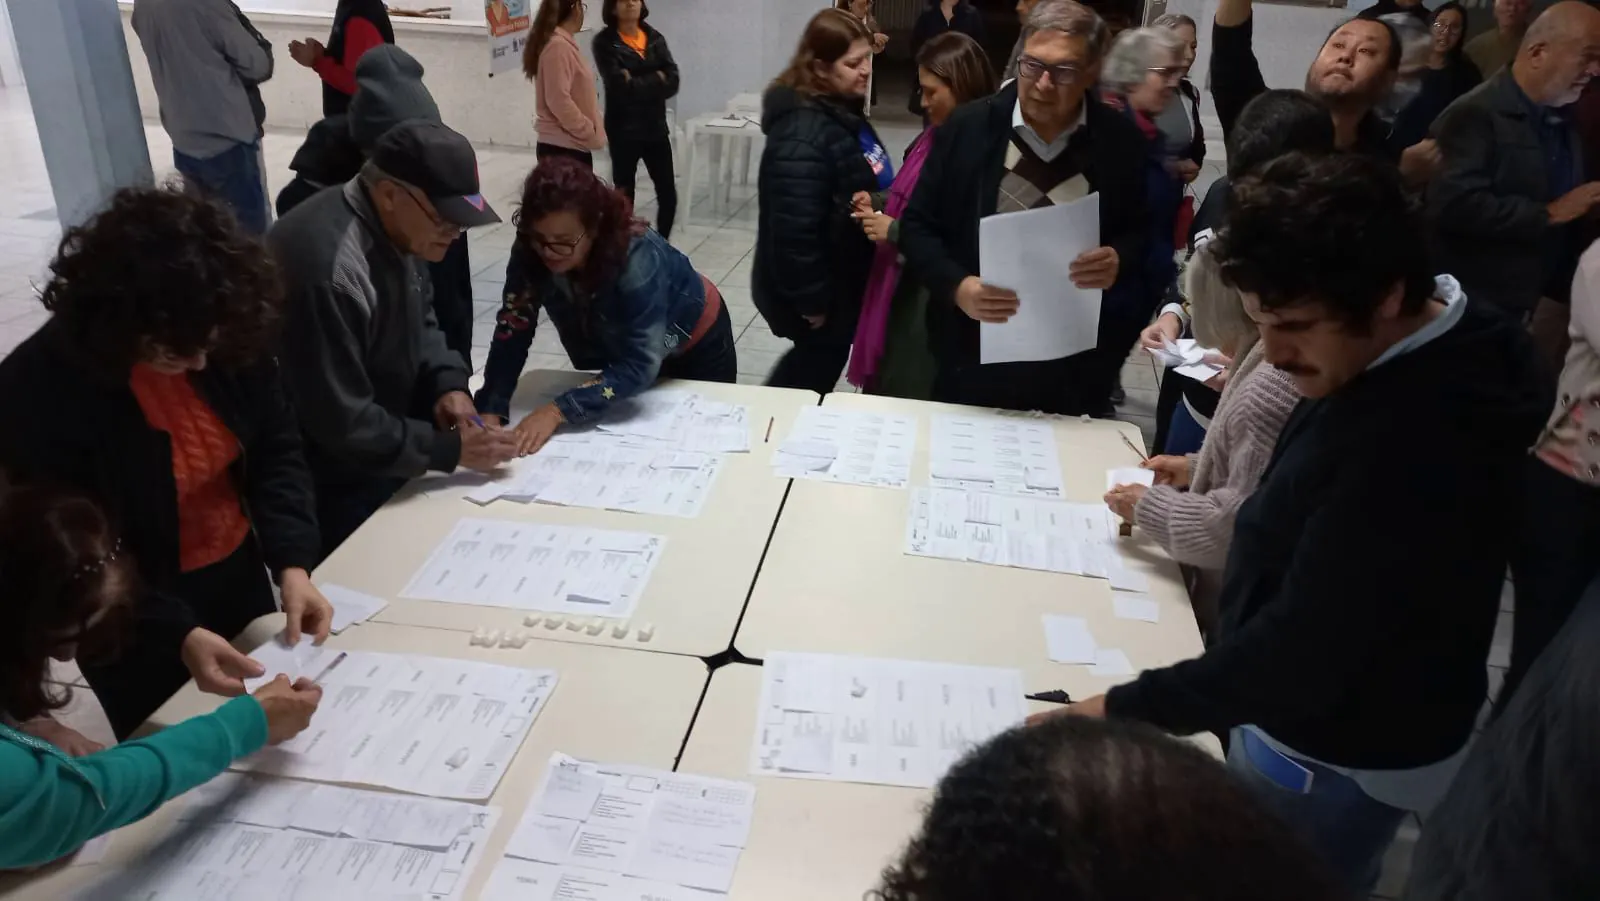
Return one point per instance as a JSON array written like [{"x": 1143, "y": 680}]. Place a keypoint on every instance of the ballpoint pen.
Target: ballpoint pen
[
  {"x": 1143, "y": 458},
  {"x": 329, "y": 668}
]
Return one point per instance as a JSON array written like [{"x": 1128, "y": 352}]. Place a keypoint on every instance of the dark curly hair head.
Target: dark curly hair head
[
  {"x": 66, "y": 584},
  {"x": 1080, "y": 809},
  {"x": 163, "y": 269},
  {"x": 1339, "y": 230},
  {"x": 559, "y": 184}
]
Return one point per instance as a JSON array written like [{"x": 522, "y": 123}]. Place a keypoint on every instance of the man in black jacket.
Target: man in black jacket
[
  {"x": 1041, "y": 140},
  {"x": 1363, "y": 583}
]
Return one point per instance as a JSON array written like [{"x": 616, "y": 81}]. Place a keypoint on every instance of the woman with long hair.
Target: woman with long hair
[
  {"x": 890, "y": 354},
  {"x": 1448, "y": 75},
  {"x": 358, "y": 26},
  {"x": 166, "y": 409},
  {"x": 567, "y": 121},
  {"x": 812, "y": 259},
  {"x": 640, "y": 76},
  {"x": 66, "y": 586},
  {"x": 623, "y": 300}
]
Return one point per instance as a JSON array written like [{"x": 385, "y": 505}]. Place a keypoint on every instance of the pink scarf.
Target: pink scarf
[{"x": 873, "y": 326}]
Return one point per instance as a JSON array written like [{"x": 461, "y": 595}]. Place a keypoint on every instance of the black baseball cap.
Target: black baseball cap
[{"x": 440, "y": 163}]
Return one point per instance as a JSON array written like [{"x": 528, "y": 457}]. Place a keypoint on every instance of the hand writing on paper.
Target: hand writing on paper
[
  {"x": 535, "y": 429},
  {"x": 986, "y": 303},
  {"x": 484, "y": 450},
  {"x": 288, "y": 708},
  {"x": 304, "y": 607},
  {"x": 1123, "y": 499},
  {"x": 1169, "y": 469},
  {"x": 1095, "y": 269},
  {"x": 218, "y": 667},
  {"x": 455, "y": 411}
]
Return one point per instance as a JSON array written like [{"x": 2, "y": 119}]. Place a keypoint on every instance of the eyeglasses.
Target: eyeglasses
[
  {"x": 557, "y": 248},
  {"x": 439, "y": 225},
  {"x": 1446, "y": 28},
  {"x": 1170, "y": 73},
  {"x": 1032, "y": 69}
]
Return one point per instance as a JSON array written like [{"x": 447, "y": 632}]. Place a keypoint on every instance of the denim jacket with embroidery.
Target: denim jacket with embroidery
[{"x": 625, "y": 330}]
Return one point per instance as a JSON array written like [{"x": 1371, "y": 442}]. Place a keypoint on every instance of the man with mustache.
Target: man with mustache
[
  {"x": 1354, "y": 70},
  {"x": 1363, "y": 582},
  {"x": 1508, "y": 202}
]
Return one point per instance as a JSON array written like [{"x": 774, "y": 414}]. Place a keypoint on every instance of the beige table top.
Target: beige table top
[
  {"x": 837, "y": 580},
  {"x": 699, "y": 587},
  {"x": 609, "y": 705}
]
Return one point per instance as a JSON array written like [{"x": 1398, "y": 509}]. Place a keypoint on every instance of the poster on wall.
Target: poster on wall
[{"x": 509, "y": 23}]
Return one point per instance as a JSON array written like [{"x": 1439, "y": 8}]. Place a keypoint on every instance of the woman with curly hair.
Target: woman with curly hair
[
  {"x": 623, "y": 300},
  {"x": 1075, "y": 809},
  {"x": 65, "y": 583},
  {"x": 152, "y": 391}
]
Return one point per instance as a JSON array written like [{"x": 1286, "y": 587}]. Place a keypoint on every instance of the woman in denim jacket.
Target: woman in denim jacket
[{"x": 623, "y": 300}]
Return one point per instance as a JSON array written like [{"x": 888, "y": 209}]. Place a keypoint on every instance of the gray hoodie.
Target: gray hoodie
[{"x": 205, "y": 59}]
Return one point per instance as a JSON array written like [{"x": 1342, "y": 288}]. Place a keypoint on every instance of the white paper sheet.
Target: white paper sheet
[
  {"x": 429, "y": 725},
  {"x": 603, "y": 472},
  {"x": 669, "y": 829},
  {"x": 848, "y": 446},
  {"x": 1031, "y": 253},
  {"x": 861, "y": 719},
  {"x": 1182, "y": 352},
  {"x": 538, "y": 566},
  {"x": 1129, "y": 475},
  {"x": 1110, "y": 663},
  {"x": 1022, "y": 532},
  {"x": 216, "y": 851},
  {"x": 999, "y": 454},
  {"x": 350, "y": 606},
  {"x": 1137, "y": 607},
  {"x": 1067, "y": 639},
  {"x": 526, "y": 880}
]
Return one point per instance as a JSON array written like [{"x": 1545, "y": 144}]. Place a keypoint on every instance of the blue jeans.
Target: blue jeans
[
  {"x": 233, "y": 177},
  {"x": 1184, "y": 434},
  {"x": 1339, "y": 821}
]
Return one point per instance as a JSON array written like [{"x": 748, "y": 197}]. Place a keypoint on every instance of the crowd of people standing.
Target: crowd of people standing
[{"x": 1402, "y": 298}]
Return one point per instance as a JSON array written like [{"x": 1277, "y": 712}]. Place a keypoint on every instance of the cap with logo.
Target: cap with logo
[{"x": 440, "y": 163}]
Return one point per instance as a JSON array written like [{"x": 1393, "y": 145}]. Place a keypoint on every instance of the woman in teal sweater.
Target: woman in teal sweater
[{"x": 65, "y": 585}]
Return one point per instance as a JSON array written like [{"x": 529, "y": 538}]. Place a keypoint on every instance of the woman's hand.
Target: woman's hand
[
  {"x": 861, "y": 203},
  {"x": 535, "y": 429},
  {"x": 817, "y": 321},
  {"x": 218, "y": 667},
  {"x": 879, "y": 41},
  {"x": 876, "y": 225},
  {"x": 1169, "y": 469},
  {"x": 1124, "y": 499},
  {"x": 74, "y": 743},
  {"x": 289, "y": 708},
  {"x": 1166, "y": 328},
  {"x": 304, "y": 607},
  {"x": 308, "y": 52}
]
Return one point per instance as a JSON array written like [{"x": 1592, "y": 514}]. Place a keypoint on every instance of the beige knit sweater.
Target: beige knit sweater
[{"x": 1196, "y": 526}]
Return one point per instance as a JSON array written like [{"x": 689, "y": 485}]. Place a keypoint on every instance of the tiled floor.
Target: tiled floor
[{"x": 720, "y": 244}]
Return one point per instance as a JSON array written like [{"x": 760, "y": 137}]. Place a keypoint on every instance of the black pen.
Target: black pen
[{"x": 1056, "y": 696}]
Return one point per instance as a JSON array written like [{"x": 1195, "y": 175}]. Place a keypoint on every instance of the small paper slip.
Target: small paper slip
[
  {"x": 863, "y": 719},
  {"x": 1182, "y": 352},
  {"x": 93, "y": 851},
  {"x": 1067, "y": 639},
  {"x": 1031, "y": 253},
  {"x": 1200, "y": 372},
  {"x": 350, "y": 606},
  {"x": 670, "y": 830},
  {"x": 278, "y": 658},
  {"x": 1136, "y": 606},
  {"x": 1124, "y": 579},
  {"x": 1129, "y": 475},
  {"x": 1111, "y": 662}
]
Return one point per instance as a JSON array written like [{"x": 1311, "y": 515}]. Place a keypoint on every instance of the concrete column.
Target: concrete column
[{"x": 75, "y": 62}]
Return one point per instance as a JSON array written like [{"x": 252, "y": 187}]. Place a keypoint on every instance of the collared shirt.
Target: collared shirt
[
  {"x": 1047, "y": 150},
  {"x": 1447, "y": 290}
]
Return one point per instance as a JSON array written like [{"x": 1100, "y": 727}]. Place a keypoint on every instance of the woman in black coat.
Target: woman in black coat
[
  {"x": 812, "y": 258},
  {"x": 152, "y": 392},
  {"x": 1449, "y": 75},
  {"x": 640, "y": 76},
  {"x": 942, "y": 16}
]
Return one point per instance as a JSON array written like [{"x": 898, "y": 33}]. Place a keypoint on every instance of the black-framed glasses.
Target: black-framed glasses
[
  {"x": 557, "y": 248},
  {"x": 1032, "y": 69},
  {"x": 439, "y": 225}
]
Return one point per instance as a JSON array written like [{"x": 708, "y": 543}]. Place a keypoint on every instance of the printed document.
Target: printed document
[
  {"x": 602, "y": 473},
  {"x": 849, "y": 446},
  {"x": 539, "y": 566},
  {"x": 1000, "y": 454},
  {"x": 428, "y": 725},
  {"x": 861, "y": 719},
  {"x": 1002, "y": 530},
  {"x": 621, "y": 825},
  {"x": 1031, "y": 253}
]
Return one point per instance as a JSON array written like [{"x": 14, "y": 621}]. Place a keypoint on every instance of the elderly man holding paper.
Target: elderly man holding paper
[{"x": 1028, "y": 226}]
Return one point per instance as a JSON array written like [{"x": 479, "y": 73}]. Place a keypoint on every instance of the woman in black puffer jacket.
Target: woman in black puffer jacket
[
  {"x": 812, "y": 258},
  {"x": 640, "y": 76}
]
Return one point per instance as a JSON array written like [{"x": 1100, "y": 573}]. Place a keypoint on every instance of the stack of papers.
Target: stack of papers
[
  {"x": 891, "y": 722},
  {"x": 579, "y": 471},
  {"x": 1000, "y": 454},
  {"x": 242, "y": 838},
  {"x": 1186, "y": 357},
  {"x": 1023, "y": 532},
  {"x": 613, "y": 831},
  {"x": 537, "y": 566},
  {"x": 1031, "y": 253},
  {"x": 848, "y": 446},
  {"x": 428, "y": 725}
]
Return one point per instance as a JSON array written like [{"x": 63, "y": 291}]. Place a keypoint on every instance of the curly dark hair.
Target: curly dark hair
[
  {"x": 1080, "y": 809},
  {"x": 1337, "y": 229},
  {"x": 558, "y": 184},
  {"x": 163, "y": 268},
  {"x": 60, "y": 567}
]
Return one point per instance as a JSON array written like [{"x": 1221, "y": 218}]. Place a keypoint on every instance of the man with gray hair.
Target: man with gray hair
[
  {"x": 381, "y": 398},
  {"x": 1042, "y": 140}
]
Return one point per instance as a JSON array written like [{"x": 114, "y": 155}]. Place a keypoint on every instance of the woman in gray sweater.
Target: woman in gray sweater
[{"x": 1190, "y": 510}]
